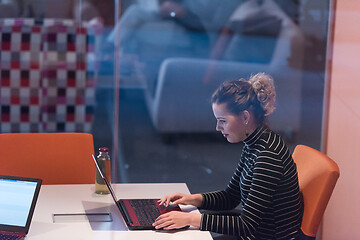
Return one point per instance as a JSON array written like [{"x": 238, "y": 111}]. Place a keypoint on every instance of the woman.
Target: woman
[{"x": 265, "y": 181}]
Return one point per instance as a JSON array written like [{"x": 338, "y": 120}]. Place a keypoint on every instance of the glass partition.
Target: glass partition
[{"x": 139, "y": 75}]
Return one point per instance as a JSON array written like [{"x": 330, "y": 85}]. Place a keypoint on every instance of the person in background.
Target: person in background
[
  {"x": 265, "y": 181},
  {"x": 151, "y": 31},
  {"x": 177, "y": 15}
]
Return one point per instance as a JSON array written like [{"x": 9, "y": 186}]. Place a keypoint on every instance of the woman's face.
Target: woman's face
[{"x": 231, "y": 126}]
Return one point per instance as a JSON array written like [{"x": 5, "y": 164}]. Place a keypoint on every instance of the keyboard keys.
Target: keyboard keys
[
  {"x": 146, "y": 210},
  {"x": 8, "y": 237}
]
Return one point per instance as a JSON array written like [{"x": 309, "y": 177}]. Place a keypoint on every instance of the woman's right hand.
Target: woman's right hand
[{"x": 181, "y": 198}]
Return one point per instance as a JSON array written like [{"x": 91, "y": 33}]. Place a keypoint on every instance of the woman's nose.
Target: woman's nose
[{"x": 218, "y": 128}]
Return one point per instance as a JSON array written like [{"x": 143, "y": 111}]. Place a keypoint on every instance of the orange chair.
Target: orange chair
[
  {"x": 56, "y": 158},
  {"x": 317, "y": 178}
]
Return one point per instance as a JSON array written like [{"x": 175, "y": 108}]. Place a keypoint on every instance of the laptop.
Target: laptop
[
  {"x": 17, "y": 205},
  {"x": 138, "y": 214}
]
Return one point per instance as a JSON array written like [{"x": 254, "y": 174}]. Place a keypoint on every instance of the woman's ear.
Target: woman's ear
[{"x": 246, "y": 116}]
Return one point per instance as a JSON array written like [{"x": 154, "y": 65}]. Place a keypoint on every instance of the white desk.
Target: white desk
[{"x": 63, "y": 199}]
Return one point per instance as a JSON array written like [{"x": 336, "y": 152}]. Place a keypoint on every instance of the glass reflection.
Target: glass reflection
[
  {"x": 173, "y": 54},
  {"x": 167, "y": 57}
]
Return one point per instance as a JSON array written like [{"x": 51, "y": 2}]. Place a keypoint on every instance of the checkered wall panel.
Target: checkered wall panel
[
  {"x": 68, "y": 96},
  {"x": 20, "y": 53},
  {"x": 50, "y": 71}
]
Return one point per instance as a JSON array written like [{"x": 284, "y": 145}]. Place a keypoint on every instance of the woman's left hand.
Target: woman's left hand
[{"x": 176, "y": 220}]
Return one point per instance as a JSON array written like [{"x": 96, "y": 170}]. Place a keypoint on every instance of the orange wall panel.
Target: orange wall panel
[{"x": 342, "y": 217}]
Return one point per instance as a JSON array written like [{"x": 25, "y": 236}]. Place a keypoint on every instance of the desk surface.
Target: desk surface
[{"x": 69, "y": 199}]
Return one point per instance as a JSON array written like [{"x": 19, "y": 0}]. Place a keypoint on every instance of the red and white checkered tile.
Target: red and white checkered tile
[{"x": 52, "y": 90}]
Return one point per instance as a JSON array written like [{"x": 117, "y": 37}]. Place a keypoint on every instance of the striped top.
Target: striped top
[{"x": 266, "y": 184}]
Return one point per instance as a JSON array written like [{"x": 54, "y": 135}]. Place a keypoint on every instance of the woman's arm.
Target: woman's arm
[
  {"x": 226, "y": 199},
  {"x": 220, "y": 200},
  {"x": 263, "y": 183}
]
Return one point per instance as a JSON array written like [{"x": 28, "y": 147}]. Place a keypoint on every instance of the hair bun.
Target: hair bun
[{"x": 264, "y": 89}]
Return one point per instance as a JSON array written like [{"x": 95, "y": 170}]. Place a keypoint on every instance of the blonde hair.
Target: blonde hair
[{"x": 264, "y": 89}]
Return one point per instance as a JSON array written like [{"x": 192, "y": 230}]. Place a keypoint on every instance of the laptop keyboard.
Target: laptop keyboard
[
  {"x": 146, "y": 210},
  {"x": 4, "y": 236}
]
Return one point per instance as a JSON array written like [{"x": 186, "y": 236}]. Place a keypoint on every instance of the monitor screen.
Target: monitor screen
[{"x": 15, "y": 201}]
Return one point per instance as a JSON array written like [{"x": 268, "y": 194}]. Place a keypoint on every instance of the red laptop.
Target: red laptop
[{"x": 138, "y": 214}]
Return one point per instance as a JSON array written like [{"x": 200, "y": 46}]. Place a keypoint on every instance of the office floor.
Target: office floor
[{"x": 204, "y": 161}]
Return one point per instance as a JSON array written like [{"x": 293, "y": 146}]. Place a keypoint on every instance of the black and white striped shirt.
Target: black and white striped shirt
[{"x": 266, "y": 184}]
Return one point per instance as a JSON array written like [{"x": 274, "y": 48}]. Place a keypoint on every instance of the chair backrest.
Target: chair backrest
[
  {"x": 56, "y": 158},
  {"x": 317, "y": 178}
]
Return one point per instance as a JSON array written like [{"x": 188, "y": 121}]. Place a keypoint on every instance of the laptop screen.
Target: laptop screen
[{"x": 17, "y": 201}]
